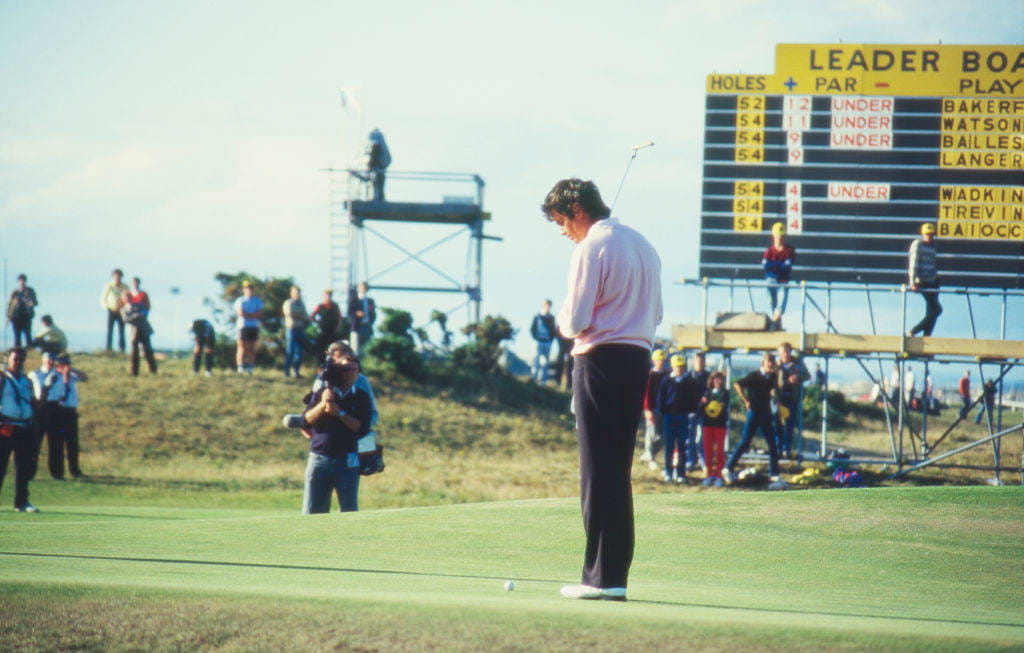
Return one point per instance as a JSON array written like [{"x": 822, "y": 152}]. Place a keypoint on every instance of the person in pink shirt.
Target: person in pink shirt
[{"x": 612, "y": 307}]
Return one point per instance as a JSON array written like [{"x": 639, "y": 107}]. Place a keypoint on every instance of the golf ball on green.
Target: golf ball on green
[{"x": 509, "y": 585}]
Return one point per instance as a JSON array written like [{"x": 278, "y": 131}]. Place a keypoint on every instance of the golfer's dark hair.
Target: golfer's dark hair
[
  {"x": 17, "y": 350},
  {"x": 47, "y": 320},
  {"x": 568, "y": 192}
]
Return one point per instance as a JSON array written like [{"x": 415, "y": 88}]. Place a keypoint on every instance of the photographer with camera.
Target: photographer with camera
[{"x": 337, "y": 415}]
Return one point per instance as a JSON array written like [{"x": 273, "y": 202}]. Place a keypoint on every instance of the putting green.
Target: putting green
[{"x": 893, "y": 568}]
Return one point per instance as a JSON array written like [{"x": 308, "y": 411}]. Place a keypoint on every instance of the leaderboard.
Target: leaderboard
[{"x": 853, "y": 148}]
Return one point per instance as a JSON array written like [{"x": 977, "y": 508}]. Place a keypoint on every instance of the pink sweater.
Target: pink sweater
[{"x": 614, "y": 294}]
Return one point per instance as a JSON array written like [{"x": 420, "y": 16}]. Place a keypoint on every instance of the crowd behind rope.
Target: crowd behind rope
[{"x": 686, "y": 415}]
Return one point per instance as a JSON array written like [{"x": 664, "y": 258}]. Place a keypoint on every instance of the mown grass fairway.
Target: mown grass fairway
[{"x": 891, "y": 568}]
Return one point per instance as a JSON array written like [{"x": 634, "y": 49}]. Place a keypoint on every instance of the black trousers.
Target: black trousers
[
  {"x": 20, "y": 444},
  {"x": 114, "y": 317},
  {"x": 142, "y": 342},
  {"x": 22, "y": 327},
  {"x": 44, "y": 425},
  {"x": 63, "y": 434},
  {"x": 608, "y": 388},
  {"x": 932, "y": 310}
]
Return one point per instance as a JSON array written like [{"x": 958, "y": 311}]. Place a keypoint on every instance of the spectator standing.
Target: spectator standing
[
  {"x": 249, "y": 310},
  {"x": 17, "y": 430},
  {"x": 964, "y": 389},
  {"x": 135, "y": 308},
  {"x": 42, "y": 379},
  {"x": 110, "y": 300},
  {"x": 362, "y": 313},
  {"x": 51, "y": 338},
  {"x": 757, "y": 390},
  {"x": 778, "y": 266},
  {"x": 910, "y": 386},
  {"x": 820, "y": 379},
  {"x": 674, "y": 405},
  {"x": 337, "y": 415},
  {"x": 378, "y": 158},
  {"x": 698, "y": 384},
  {"x": 205, "y": 341},
  {"x": 988, "y": 403},
  {"x": 21, "y": 308},
  {"x": 612, "y": 308},
  {"x": 62, "y": 394},
  {"x": 327, "y": 316},
  {"x": 715, "y": 406},
  {"x": 563, "y": 361},
  {"x": 894, "y": 386},
  {"x": 295, "y": 320},
  {"x": 790, "y": 382},
  {"x": 923, "y": 276},
  {"x": 653, "y": 420},
  {"x": 543, "y": 330}
]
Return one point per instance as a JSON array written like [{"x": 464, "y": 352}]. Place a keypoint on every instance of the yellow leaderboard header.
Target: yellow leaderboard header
[{"x": 908, "y": 70}]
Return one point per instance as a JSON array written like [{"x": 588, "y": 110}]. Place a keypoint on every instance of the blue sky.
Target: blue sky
[{"x": 179, "y": 139}]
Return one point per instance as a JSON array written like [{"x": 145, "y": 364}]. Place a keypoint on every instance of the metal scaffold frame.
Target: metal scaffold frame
[
  {"x": 910, "y": 447},
  {"x": 351, "y": 209}
]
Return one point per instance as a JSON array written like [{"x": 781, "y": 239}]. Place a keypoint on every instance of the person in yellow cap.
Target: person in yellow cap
[
  {"x": 778, "y": 265},
  {"x": 674, "y": 403},
  {"x": 652, "y": 416},
  {"x": 923, "y": 276}
]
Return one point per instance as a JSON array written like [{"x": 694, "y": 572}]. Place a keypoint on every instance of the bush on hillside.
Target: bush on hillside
[
  {"x": 395, "y": 348},
  {"x": 838, "y": 407},
  {"x": 484, "y": 352}
]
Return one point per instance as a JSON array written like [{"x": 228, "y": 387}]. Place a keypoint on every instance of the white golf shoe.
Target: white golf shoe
[{"x": 588, "y": 593}]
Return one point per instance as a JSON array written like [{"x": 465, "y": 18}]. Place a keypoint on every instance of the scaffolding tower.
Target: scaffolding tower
[
  {"x": 353, "y": 214},
  {"x": 910, "y": 446}
]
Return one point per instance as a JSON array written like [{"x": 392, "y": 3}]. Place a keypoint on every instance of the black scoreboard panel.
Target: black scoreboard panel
[{"x": 854, "y": 176}]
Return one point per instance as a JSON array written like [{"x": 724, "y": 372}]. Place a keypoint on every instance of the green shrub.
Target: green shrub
[
  {"x": 484, "y": 352},
  {"x": 838, "y": 407},
  {"x": 395, "y": 348}
]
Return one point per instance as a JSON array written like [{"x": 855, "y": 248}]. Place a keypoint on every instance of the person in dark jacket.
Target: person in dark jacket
[
  {"x": 378, "y": 158},
  {"x": 362, "y": 313},
  {"x": 757, "y": 390},
  {"x": 698, "y": 384},
  {"x": 674, "y": 402},
  {"x": 337, "y": 415},
  {"x": 790, "y": 378},
  {"x": 544, "y": 331}
]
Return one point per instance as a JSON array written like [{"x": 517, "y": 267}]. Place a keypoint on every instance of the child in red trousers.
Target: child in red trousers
[{"x": 715, "y": 404}]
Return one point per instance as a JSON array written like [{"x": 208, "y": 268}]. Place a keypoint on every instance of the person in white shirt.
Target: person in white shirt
[
  {"x": 249, "y": 310},
  {"x": 62, "y": 394},
  {"x": 612, "y": 308},
  {"x": 42, "y": 379}
]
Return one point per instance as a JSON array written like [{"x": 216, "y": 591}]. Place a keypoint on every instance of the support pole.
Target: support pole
[
  {"x": 823, "y": 450},
  {"x": 704, "y": 315}
]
